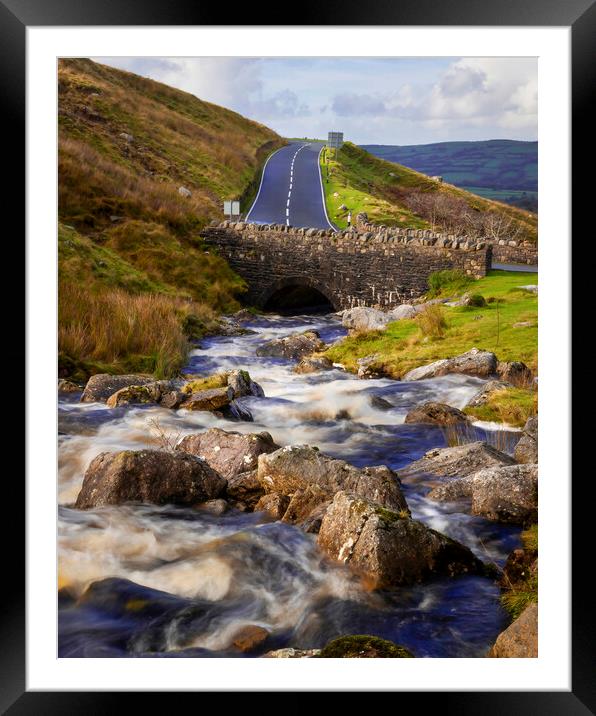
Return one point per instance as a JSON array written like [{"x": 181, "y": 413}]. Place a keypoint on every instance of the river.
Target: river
[{"x": 182, "y": 581}]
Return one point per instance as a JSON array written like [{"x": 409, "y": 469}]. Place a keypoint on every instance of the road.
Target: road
[{"x": 291, "y": 191}]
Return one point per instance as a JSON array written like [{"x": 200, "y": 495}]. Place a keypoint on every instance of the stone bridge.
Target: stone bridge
[{"x": 287, "y": 268}]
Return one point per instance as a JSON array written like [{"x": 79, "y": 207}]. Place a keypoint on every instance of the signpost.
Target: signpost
[
  {"x": 335, "y": 140},
  {"x": 232, "y": 208}
]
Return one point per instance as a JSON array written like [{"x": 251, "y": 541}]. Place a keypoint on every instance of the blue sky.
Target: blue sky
[{"x": 372, "y": 100}]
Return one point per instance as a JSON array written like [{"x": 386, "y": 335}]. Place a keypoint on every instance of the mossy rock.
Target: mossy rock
[
  {"x": 219, "y": 380},
  {"x": 364, "y": 647}
]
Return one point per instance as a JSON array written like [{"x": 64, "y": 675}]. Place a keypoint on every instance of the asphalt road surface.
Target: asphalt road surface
[{"x": 291, "y": 191}]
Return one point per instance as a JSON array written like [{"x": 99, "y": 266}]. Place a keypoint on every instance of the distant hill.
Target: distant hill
[{"x": 500, "y": 169}]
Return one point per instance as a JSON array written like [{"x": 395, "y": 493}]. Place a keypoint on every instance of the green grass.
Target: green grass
[
  {"x": 525, "y": 592},
  {"x": 402, "y": 347},
  {"x": 394, "y": 195},
  {"x": 510, "y": 405}
]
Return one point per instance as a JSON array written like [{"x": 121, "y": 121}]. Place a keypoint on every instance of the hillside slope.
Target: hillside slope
[
  {"x": 126, "y": 146},
  {"x": 395, "y": 195},
  {"x": 503, "y": 169}
]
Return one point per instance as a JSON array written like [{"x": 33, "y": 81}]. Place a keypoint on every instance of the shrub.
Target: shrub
[
  {"x": 431, "y": 321},
  {"x": 476, "y": 300},
  {"x": 447, "y": 281}
]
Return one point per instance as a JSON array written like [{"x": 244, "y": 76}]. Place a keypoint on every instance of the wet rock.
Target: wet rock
[
  {"x": 67, "y": 386},
  {"x": 405, "y": 311},
  {"x": 243, "y": 385},
  {"x": 298, "y": 467},
  {"x": 172, "y": 400},
  {"x": 154, "y": 476},
  {"x": 313, "y": 365},
  {"x": 230, "y": 453},
  {"x": 436, "y": 413},
  {"x": 380, "y": 403},
  {"x": 514, "y": 372},
  {"x": 368, "y": 367},
  {"x": 274, "y": 503},
  {"x": 356, "y": 646},
  {"x": 237, "y": 412},
  {"x": 250, "y": 638},
  {"x": 506, "y": 494},
  {"x": 295, "y": 347},
  {"x": 243, "y": 315},
  {"x": 131, "y": 395},
  {"x": 520, "y": 639},
  {"x": 364, "y": 319},
  {"x": 526, "y": 450},
  {"x": 502, "y": 494},
  {"x": 474, "y": 362},
  {"x": 307, "y": 507},
  {"x": 215, "y": 507},
  {"x": 484, "y": 394},
  {"x": 291, "y": 653},
  {"x": 389, "y": 549},
  {"x": 212, "y": 399},
  {"x": 245, "y": 488},
  {"x": 458, "y": 461},
  {"x": 100, "y": 386}
]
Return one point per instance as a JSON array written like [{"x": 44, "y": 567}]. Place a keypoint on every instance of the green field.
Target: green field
[{"x": 402, "y": 346}]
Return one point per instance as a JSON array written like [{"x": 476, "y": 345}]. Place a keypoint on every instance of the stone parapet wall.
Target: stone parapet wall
[
  {"x": 504, "y": 251},
  {"x": 382, "y": 268}
]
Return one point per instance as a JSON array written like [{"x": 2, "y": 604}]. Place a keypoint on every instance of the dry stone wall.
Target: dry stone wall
[{"x": 381, "y": 268}]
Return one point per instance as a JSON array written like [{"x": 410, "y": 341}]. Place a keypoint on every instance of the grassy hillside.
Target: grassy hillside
[
  {"x": 407, "y": 344},
  {"x": 394, "y": 195},
  {"x": 128, "y": 239},
  {"x": 500, "y": 169}
]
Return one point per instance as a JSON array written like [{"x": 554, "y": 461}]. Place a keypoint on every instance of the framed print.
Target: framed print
[{"x": 286, "y": 280}]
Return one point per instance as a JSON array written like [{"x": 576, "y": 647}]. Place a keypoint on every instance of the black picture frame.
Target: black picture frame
[{"x": 15, "y": 17}]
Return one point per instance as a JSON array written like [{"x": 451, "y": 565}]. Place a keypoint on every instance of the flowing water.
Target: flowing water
[{"x": 180, "y": 581}]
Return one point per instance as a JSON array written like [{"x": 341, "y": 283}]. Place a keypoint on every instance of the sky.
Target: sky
[{"x": 372, "y": 100}]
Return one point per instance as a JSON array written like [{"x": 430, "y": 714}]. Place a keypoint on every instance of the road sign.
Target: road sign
[
  {"x": 335, "y": 140},
  {"x": 232, "y": 208}
]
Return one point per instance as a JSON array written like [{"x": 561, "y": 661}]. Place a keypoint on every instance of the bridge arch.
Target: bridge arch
[{"x": 298, "y": 294}]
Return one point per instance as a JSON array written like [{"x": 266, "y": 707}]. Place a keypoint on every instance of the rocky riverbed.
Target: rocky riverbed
[{"x": 330, "y": 510}]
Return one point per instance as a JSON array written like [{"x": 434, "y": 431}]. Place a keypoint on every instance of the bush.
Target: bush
[
  {"x": 431, "y": 321},
  {"x": 476, "y": 300},
  {"x": 447, "y": 281}
]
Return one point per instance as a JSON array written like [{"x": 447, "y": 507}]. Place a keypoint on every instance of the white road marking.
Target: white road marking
[{"x": 292, "y": 182}]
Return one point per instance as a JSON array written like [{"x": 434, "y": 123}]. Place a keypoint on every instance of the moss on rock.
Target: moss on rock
[{"x": 363, "y": 646}]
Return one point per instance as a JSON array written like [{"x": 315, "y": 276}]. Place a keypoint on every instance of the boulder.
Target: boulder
[
  {"x": 473, "y": 362},
  {"x": 501, "y": 494},
  {"x": 131, "y": 395},
  {"x": 436, "y": 413},
  {"x": 526, "y": 450},
  {"x": 250, "y": 638},
  {"x": 307, "y": 508},
  {"x": 229, "y": 453},
  {"x": 459, "y": 461},
  {"x": 520, "y": 639},
  {"x": 357, "y": 646},
  {"x": 313, "y": 365},
  {"x": 212, "y": 399},
  {"x": 100, "y": 386},
  {"x": 484, "y": 394},
  {"x": 67, "y": 386},
  {"x": 237, "y": 412},
  {"x": 154, "y": 476},
  {"x": 294, "y": 347},
  {"x": 215, "y": 507},
  {"x": 183, "y": 191},
  {"x": 506, "y": 494},
  {"x": 404, "y": 311},
  {"x": 368, "y": 367},
  {"x": 243, "y": 385},
  {"x": 172, "y": 400},
  {"x": 274, "y": 504},
  {"x": 245, "y": 488},
  {"x": 389, "y": 549},
  {"x": 298, "y": 467},
  {"x": 364, "y": 319},
  {"x": 514, "y": 372}
]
